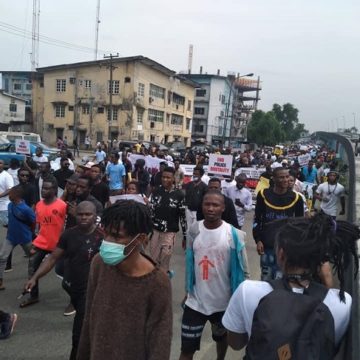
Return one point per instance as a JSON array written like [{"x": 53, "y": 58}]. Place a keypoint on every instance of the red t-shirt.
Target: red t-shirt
[{"x": 51, "y": 220}]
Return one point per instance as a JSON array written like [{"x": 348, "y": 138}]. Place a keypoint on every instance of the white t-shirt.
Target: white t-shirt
[
  {"x": 14, "y": 175},
  {"x": 40, "y": 159},
  {"x": 244, "y": 195},
  {"x": 55, "y": 164},
  {"x": 212, "y": 289},
  {"x": 6, "y": 183},
  {"x": 330, "y": 195},
  {"x": 225, "y": 184},
  {"x": 100, "y": 156},
  {"x": 240, "y": 312}
]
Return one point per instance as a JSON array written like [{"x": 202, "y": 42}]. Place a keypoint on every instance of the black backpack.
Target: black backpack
[{"x": 288, "y": 325}]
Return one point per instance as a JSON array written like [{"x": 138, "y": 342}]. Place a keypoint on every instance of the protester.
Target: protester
[
  {"x": 310, "y": 173},
  {"x": 142, "y": 176},
  {"x": 128, "y": 303},
  {"x": 13, "y": 169},
  {"x": 63, "y": 173},
  {"x": 78, "y": 245},
  {"x": 100, "y": 189},
  {"x": 116, "y": 173},
  {"x": 156, "y": 180},
  {"x": 20, "y": 228},
  {"x": 100, "y": 155},
  {"x": 330, "y": 193},
  {"x": 179, "y": 175},
  {"x": 241, "y": 198},
  {"x": 273, "y": 203},
  {"x": 229, "y": 214},
  {"x": 212, "y": 249},
  {"x": 39, "y": 157},
  {"x": 294, "y": 315},
  {"x": 64, "y": 154},
  {"x": 44, "y": 172},
  {"x": 168, "y": 208},
  {"x": 50, "y": 217}
]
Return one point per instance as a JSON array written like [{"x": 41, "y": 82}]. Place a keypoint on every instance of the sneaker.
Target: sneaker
[
  {"x": 69, "y": 310},
  {"x": 171, "y": 274},
  {"x": 13, "y": 319},
  {"x": 8, "y": 270}
]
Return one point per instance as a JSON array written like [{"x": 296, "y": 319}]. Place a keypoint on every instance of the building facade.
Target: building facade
[
  {"x": 212, "y": 108},
  {"x": 12, "y": 112},
  {"x": 145, "y": 101}
]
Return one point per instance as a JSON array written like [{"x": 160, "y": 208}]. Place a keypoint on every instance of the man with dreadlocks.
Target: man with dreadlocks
[
  {"x": 128, "y": 305},
  {"x": 295, "y": 314}
]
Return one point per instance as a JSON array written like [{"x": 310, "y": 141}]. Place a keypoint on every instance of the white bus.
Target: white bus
[{"x": 13, "y": 135}]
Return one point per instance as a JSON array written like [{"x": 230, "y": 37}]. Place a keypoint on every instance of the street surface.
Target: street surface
[{"x": 42, "y": 332}]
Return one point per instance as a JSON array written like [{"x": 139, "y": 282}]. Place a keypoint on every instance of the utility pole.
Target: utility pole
[
  {"x": 111, "y": 67},
  {"x": 97, "y": 29}
]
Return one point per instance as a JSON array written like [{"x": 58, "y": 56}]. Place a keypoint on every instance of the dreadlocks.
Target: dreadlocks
[
  {"x": 308, "y": 243},
  {"x": 130, "y": 215}
]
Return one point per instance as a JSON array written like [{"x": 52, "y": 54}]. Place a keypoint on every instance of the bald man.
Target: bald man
[{"x": 79, "y": 245}]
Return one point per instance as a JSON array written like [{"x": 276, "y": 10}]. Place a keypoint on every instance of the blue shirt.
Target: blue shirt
[
  {"x": 310, "y": 176},
  {"x": 115, "y": 172},
  {"x": 21, "y": 217},
  {"x": 100, "y": 156}
]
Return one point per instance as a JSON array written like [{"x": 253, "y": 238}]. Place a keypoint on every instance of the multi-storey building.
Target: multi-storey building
[
  {"x": 145, "y": 101},
  {"x": 12, "y": 111},
  {"x": 212, "y": 108},
  {"x": 19, "y": 85},
  {"x": 246, "y": 97}
]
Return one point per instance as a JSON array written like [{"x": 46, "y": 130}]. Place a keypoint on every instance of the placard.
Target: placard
[
  {"x": 220, "y": 165},
  {"x": 304, "y": 159},
  {"x": 22, "y": 146}
]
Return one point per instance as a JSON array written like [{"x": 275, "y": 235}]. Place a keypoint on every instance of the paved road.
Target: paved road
[{"x": 42, "y": 332}]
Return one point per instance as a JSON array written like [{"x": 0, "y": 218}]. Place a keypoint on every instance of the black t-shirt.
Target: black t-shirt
[
  {"x": 194, "y": 194},
  {"x": 79, "y": 250},
  {"x": 101, "y": 192},
  {"x": 61, "y": 177}
]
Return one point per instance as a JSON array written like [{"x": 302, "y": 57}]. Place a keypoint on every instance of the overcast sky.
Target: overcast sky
[{"x": 306, "y": 52}]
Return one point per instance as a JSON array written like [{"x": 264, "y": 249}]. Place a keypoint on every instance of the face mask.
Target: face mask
[
  {"x": 113, "y": 253},
  {"x": 196, "y": 178}
]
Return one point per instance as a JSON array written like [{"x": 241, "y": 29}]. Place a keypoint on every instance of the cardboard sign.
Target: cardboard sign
[
  {"x": 220, "y": 165},
  {"x": 152, "y": 164},
  {"x": 22, "y": 146},
  {"x": 188, "y": 169},
  {"x": 250, "y": 172},
  {"x": 304, "y": 159}
]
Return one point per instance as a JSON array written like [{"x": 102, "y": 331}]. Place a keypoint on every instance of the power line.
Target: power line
[{"x": 14, "y": 30}]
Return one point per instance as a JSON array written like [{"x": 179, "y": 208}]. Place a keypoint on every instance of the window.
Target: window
[
  {"x": 152, "y": 138},
  {"x": 87, "y": 84},
  {"x": 141, "y": 89},
  {"x": 128, "y": 79},
  {"x": 155, "y": 115},
  {"x": 199, "y": 128},
  {"x": 60, "y": 85},
  {"x": 71, "y": 108},
  {"x": 114, "y": 114},
  {"x": 188, "y": 122},
  {"x": 17, "y": 87},
  {"x": 140, "y": 114},
  {"x": 157, "y": 91},
  {"x": 28, "y": 87},
  {"x": 86, "y": 109},
  {"x": 12, "y": 107},
  {"x": 189, "y": 105},
  {"x": 72, "y": 81},
  {"x": 200, "y": 92},
  {"x": 199, "y": 111},
  {"x": 99, "y": 136},
  {"x": 176, "y": 119},
  {"x": 177, "y": 99},
  {"x": 100, "y": 110},
  {"x": 115, "y": 87},
  {"x": 60, "y": 110}
]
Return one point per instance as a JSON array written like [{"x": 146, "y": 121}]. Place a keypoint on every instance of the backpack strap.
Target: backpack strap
[{"x": 315, "y": 289}]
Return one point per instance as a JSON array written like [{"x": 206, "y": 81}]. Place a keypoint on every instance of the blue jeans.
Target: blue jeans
[{"x": 269, "y": 267}]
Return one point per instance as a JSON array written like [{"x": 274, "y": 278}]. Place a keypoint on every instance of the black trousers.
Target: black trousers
[
  {"x": 78, "y": 300},
  {"x": 36, "y": 257}
]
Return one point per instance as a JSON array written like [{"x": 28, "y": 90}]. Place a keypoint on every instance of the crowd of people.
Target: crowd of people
[{"x": 108, "y": 226}]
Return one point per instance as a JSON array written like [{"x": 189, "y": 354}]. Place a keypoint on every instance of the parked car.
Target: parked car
[
  {"x": 7, "y": 152},
  {"x": 50, "y": 153}
]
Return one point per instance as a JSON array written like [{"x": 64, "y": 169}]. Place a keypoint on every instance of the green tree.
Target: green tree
[
  {"x": 287, "y": 115},
  {"x": 265, "y": 129}
]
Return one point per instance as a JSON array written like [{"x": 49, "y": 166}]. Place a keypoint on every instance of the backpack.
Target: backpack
[{"x": 287, "y": 325}]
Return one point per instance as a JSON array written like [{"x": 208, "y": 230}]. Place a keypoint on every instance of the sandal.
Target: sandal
[{"x": 29, "y": 302}]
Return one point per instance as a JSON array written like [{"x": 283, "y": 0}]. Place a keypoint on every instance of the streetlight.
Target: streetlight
[{"x": 228, "y": 106}]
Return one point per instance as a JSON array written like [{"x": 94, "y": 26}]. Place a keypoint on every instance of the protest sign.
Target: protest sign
[
  {"x": 152, "y": 164},
  {"x": 22, "y": 146},
  {"x": 135, "y": 197},
  {"x": 220, "y": 165},
  {"x": 303, "y": 160}
]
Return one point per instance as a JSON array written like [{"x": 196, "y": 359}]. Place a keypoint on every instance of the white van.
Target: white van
[{"x": 13, "y": 135}]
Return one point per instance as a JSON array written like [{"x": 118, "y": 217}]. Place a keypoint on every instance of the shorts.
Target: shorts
[{"x": 192, "y": 326}]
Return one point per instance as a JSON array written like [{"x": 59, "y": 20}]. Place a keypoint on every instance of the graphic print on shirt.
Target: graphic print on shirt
[{"x": 205, "y": 263}]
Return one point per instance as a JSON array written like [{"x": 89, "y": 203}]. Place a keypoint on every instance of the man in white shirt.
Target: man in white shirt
[
  {"x": 6, "y": 183},
  {"x": 100, "y": 155},
  {"x": 39, "y": 157},
  {"x": 55, "y": 165},
  {"x": 329, "y": 193},
  {"x": 209, "y": 252},
  {"x": 241, "y": 198}
]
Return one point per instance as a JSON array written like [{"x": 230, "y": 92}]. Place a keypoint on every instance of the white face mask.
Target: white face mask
[{"x": 196, "y": 178}]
